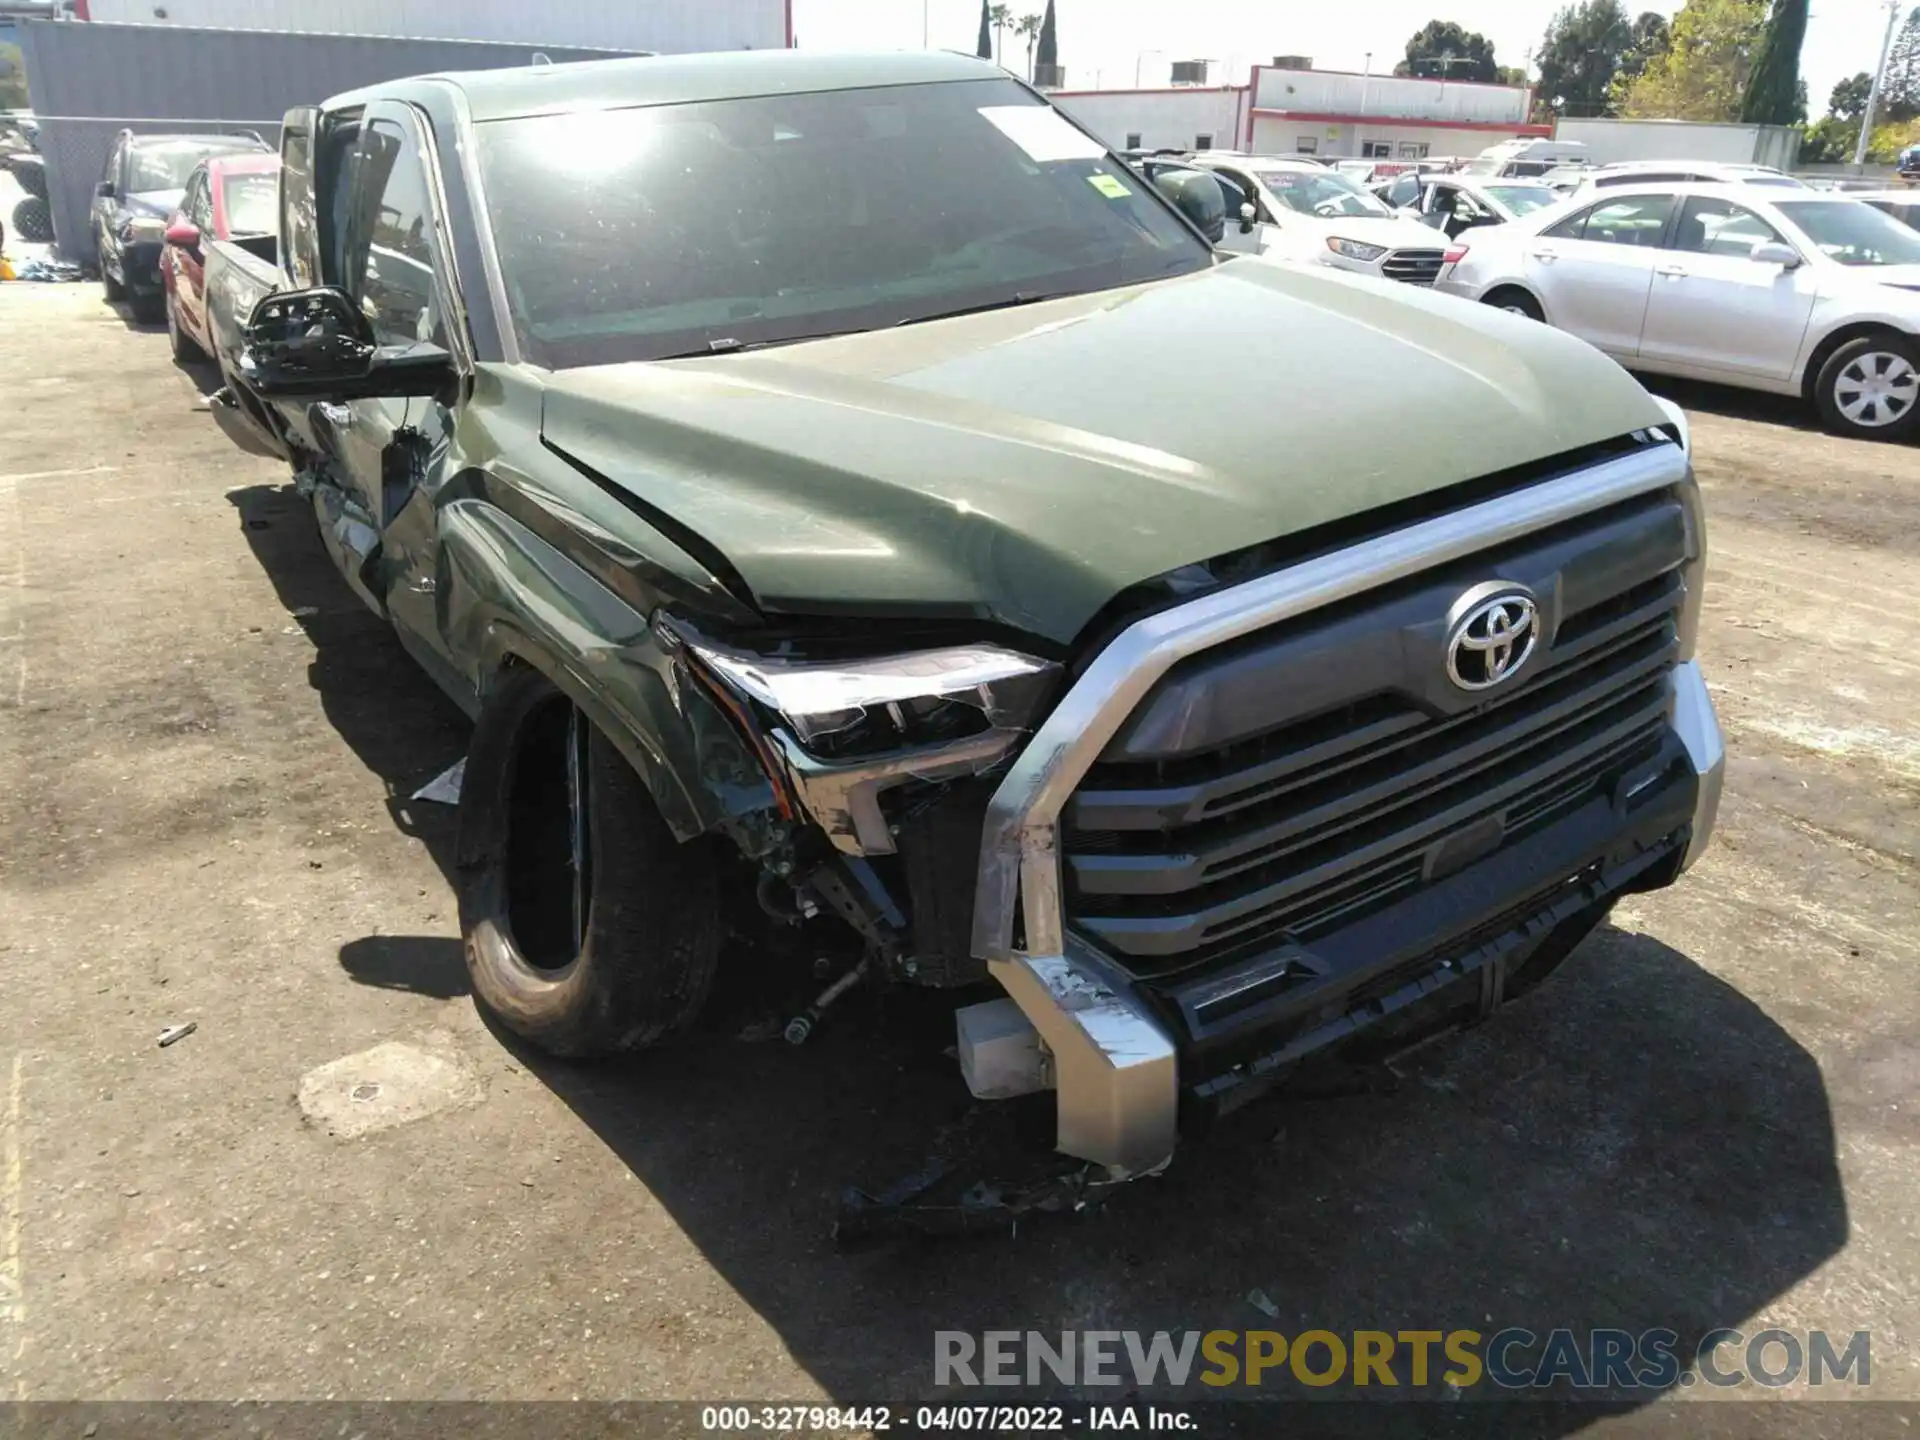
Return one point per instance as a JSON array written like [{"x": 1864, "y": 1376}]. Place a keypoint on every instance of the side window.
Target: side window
[
  {"x": 388, "y": 267},
  {"x": 1404, "y": 191},
  {"x": 1574, "y": 227},
  {"x": 1720, "y": 227},
  {"x": 1233, "y": 190},
  {"x": 1133, "y": 140},
  {"x": 1203, "y": 142},
  {"x": 199, "y": 203},
  {"x": 1634, "y": 220}
]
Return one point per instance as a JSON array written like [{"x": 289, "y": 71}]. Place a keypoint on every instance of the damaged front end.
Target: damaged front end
[{"x": 891, "y": 760}]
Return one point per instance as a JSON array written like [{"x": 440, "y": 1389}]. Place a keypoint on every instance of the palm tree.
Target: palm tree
[
  {"x": 1028, "y": 27},
  {"x": 1002, "y": 17}
]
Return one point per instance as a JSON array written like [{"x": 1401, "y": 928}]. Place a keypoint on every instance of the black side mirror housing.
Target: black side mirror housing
[
  {"x": 316, "y": 345},
  {"x": 1196, "y": 195}
]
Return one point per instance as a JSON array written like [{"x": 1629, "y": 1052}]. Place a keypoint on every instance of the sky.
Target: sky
[{"x": 1105, "y": 43}]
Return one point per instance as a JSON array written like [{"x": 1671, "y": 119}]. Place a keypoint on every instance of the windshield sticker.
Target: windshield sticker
[
  {"x": 1042, "y": 133},
  {"x": 1109, "y": 187}
]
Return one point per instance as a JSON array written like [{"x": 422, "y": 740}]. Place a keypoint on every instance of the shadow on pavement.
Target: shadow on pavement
[
  {"x": 1635, "y": 1145},
  {"x": 1734, "y": 403}
]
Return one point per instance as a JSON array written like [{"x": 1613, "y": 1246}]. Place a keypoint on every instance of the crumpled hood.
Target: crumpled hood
[{"x": 1027, "y": 465}]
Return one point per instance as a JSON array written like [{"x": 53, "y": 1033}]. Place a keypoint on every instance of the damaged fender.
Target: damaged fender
[{"x": 508, "y": 597}]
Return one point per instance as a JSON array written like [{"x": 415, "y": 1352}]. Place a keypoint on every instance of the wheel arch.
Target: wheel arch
[
  {"x": 1490, "y": 295},
  {"x": 1818, "y": 356},
  {"x": 510, "y": 602}
]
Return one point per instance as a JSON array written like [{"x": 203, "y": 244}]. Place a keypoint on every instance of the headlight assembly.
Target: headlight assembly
[
  {"x": 841, "y": 733},
  {"x": 1355, "y": 249},
  {"x": 141, "y": 228}
]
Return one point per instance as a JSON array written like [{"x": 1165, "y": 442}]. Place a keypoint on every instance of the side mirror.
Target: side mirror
[
  {"x": 1247, "y": 215},
  {"x": 104, "y": 190},
  {"x": 1196, "y": 195},
  {"x": 184, "y": 235},
  {"x": 316, "y": 345},
  {"x": 1773, "y": 252}
]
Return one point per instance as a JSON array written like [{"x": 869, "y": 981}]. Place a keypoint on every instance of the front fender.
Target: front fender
[{"x": 505, "y": 596}]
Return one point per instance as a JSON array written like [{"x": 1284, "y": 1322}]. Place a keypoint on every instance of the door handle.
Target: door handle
[
  {"x": 1672, "y": 272},
  {"x": 1545, "y": 253}
]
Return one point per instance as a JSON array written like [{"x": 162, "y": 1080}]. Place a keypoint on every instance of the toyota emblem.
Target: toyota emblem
[{"x": 1494, "y": 630}]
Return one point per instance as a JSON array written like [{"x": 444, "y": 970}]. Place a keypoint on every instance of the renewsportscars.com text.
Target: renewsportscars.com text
[{"x": 1512, "y": 1358}]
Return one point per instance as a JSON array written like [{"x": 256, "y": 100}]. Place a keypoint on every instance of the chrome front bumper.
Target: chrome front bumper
[{"x": 1115, "y": 1064}]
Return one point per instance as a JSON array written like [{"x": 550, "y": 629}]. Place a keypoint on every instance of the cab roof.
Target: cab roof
[{"x": 680, "y": 79}]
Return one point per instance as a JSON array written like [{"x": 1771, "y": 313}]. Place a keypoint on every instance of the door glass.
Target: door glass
[
  {"x": 1710, "y": 226},
  {"x": 199, "y": 206},
  {"x": 1633, "y": 220},
  {"x": 389, "y": 262}
]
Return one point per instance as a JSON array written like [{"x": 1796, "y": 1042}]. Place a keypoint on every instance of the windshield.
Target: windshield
[
  {"x": 1852, "y": 233},
  {"x": 166, "y": 164},
  {"x": 1326, "y": 193},
  {"x": 252, "y": 204},
  {"x": 1521, "y": 199},
  {"x": 666, "y": 230}
]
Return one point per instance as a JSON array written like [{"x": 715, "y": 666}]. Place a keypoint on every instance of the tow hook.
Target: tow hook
[{"x": 801, "y": 1026}]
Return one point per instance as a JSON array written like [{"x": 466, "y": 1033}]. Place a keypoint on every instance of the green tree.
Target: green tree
[
  {"x": 1443, "y": 49},
  {"x": 1849, "y": 98},
  {"x": 1651, "y": 39},
  {"x": 1579, "y": 56},
  {"x": 984, "y": 49},
  {"x": 1774, "y": 94},
  {"x": 1703, "y": 74},
  {"x": 1027, "y": 28},
  {"x": 1900, "y": 86},
  {"x": 1829, "y": 141},
  {"x": 1048, "y": 58},
  {"x": 1002, "y": 18}
]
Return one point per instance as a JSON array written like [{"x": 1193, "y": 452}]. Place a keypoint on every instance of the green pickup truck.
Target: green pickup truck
[{"x": 841, "y": 482}]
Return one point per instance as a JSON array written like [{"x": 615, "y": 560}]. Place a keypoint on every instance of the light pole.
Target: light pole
[
  {"x": 1873, "y": 90},
  {"x": 926, "y": 27}
]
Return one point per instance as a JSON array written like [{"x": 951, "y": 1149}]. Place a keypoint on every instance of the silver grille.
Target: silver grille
[{"x": 1416, "y": 267}]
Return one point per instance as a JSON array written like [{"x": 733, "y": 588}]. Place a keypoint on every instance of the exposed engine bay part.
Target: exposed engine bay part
[
  {"x": 1001, "y": 1054},
  {"x": 801, "y": 1026}
]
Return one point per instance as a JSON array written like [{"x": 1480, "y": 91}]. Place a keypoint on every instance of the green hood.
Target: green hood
[{"x": 1027, "y": 465}]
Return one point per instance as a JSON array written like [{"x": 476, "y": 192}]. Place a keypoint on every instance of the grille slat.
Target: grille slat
[
  {"x": 1196, "y": 859},
  {"x": 1416, "y": 267}
]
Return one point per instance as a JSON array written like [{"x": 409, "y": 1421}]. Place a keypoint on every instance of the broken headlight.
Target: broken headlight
[
  {"x": 143, "y": 229},
  {"x": 853, "y": 708}
]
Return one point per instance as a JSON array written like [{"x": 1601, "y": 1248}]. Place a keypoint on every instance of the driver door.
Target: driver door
[
  {"x": 1238, "y": 190},
  {"x": 391, "y": 454}
]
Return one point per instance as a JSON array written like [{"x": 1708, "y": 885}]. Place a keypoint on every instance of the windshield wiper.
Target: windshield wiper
[
  {"x": 1020, "y": 297},
  {"x": 729, "y": 346}
]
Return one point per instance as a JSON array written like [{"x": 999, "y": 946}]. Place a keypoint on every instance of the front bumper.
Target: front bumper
[
  {"x": 1119, "y": 1048},
  {"x": 139, "y": 267}
]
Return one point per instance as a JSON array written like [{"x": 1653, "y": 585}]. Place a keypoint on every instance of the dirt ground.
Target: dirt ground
[{"x": 1710, "y": 1117}]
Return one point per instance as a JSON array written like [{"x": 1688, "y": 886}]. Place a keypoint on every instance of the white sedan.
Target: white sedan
[
  {"x": 1799, "y": 293},
  {"x": 1297, "y": 211}
]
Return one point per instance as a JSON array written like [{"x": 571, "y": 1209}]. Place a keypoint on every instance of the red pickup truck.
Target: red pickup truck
[{"x": 229, "y": 197}]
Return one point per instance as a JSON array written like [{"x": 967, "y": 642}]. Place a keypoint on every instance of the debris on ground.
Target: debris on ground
[
  {"x": 1258, "y": 1299},
  {"x": 175, "y": 1033},
  {"x": 48, "y": 271},
  {"x": 444, "y": 788}
]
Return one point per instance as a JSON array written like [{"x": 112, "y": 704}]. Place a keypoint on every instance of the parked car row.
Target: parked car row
[
  {"x": 1778, "y": 288},
  {"x": 842, "y": 484}
]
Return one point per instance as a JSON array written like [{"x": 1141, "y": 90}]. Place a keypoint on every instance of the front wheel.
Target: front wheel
[
  {"x": 588, "y": 928},
  {"x": 185, "y": 348},
  {"x": 1516, "y": 302},
  {"x": 1870, "y": 388}
]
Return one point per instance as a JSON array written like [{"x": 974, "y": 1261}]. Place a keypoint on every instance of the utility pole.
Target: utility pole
[
  {"x": 1873, "y": 91},
  {"x": 926, "y": 27}
]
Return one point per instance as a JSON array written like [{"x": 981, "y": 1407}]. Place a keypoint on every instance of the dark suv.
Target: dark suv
[{"x": 144, "y": 178}]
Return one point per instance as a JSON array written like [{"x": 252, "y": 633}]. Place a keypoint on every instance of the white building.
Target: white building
[
  {"x": 1284, "y": 111},
  {"x": 665, "y": 26}
]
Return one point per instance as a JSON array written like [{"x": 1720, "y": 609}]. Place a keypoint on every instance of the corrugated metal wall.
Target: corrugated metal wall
[
  {"x": 666, "y": 26},
  {"x": 91, "y": 80}
]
